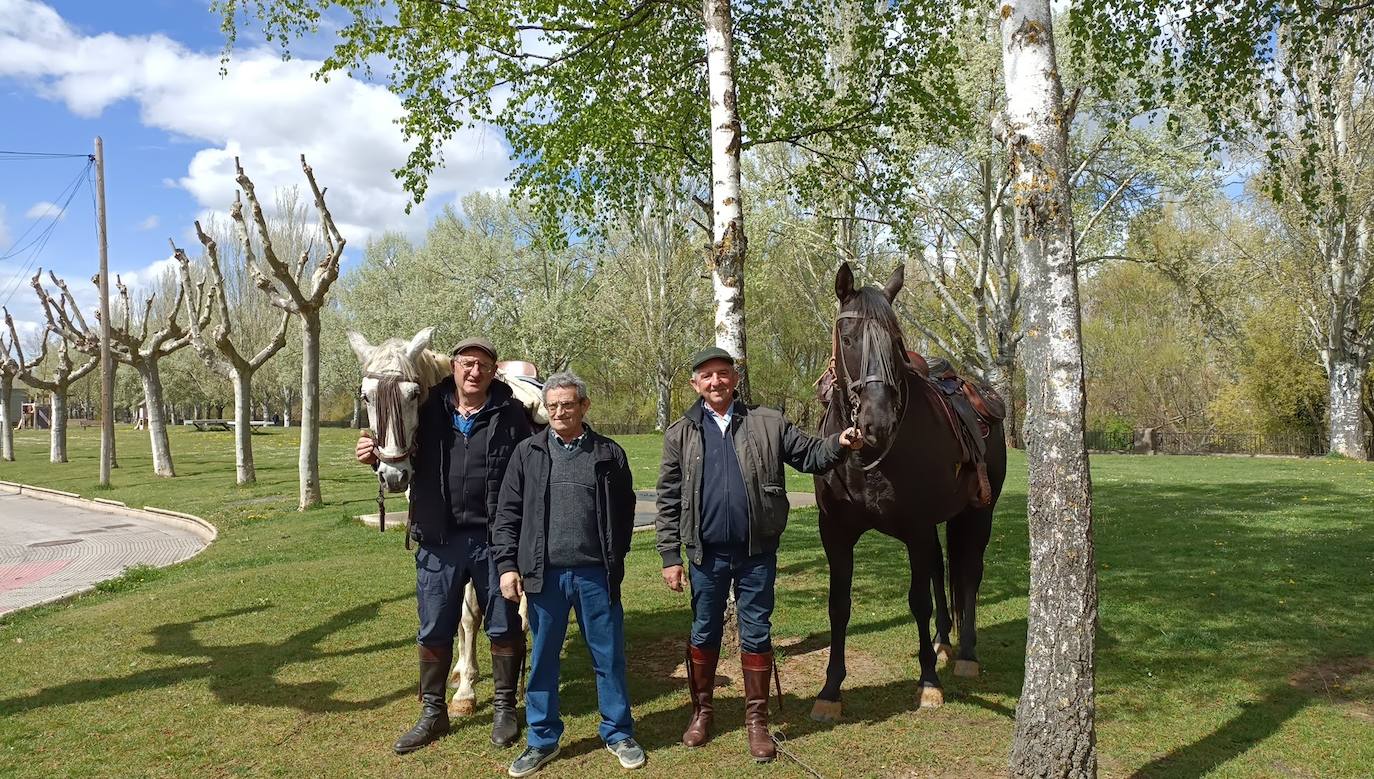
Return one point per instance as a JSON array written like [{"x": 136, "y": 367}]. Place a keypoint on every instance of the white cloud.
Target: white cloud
[
  {"x": 5, "y": 237},
  {"x": 266, "y": 111},
  {"x": 44, "y": 209},
  {"x": 149, "y": 223}
]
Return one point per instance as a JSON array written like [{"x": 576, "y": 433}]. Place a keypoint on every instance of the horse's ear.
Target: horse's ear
[
  {"x": 844, "y": 282},
  {"x": 894, "y": 283},
  {"x": 360, "y": 346},
  {"x": 418, "y": 343}
]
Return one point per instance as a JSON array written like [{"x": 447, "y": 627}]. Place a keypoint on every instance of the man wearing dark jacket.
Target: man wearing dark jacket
[
  {"x": 561, "y": 533},
  {"x": 722, "y": 494},
  {"x": 468, "y": 427}
]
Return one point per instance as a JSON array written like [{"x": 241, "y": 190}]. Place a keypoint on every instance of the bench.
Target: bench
[{"x": 222, "y": 424}]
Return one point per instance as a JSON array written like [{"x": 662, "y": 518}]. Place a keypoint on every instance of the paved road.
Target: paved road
[{"x": 49, "y": 550}]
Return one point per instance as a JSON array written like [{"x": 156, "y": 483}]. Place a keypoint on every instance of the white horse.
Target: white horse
[{"x": 397, "y": 377}]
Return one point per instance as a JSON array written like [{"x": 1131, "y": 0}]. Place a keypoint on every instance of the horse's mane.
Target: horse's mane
[{"x": 390, "y": 357}]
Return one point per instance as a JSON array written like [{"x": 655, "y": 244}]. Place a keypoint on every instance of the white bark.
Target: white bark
[
  {"x": 728, "y": 239},
  {"x": 1054, "y": 732},
  {"x": 6, "y": 424},
  {"x": 57, "y": 439},
  {"x": 1344, "y": 410},
  {"x": 244, "y": 470},
  {"x": 157, "y": 422},
  {"x": 309, "y": 462}
]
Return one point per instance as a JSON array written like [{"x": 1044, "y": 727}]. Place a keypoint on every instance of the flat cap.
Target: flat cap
[
  {"x": 711, "y": 353},
  {"x": 475, "y": 342}
]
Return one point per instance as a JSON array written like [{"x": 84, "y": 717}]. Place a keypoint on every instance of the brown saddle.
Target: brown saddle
[{"x": 970, "y": 410}]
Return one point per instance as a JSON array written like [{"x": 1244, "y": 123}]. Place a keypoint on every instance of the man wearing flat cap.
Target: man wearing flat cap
[
  {"x": 722, "y": 494},
  {"x": 468, "y": 427}
]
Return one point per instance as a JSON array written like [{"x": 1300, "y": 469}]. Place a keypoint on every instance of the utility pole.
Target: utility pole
[{"x": 106, "y": 364}]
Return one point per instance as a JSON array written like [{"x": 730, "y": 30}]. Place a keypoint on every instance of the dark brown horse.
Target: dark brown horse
[{"x": 904, "y": 483}]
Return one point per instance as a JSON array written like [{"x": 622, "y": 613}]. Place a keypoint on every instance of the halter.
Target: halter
[
  {"x": 387, "y": 408},
  {"x": 853, "y": 388}
]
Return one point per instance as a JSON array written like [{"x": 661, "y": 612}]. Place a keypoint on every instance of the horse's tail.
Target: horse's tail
[{"x": 968, "y": 535}]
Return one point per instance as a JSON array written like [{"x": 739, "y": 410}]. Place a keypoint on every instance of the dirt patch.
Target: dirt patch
[
  {"x": 809, "y": 667},
  {"x": 667, "y": 659},
  {"x": 1346, "y": 681}
]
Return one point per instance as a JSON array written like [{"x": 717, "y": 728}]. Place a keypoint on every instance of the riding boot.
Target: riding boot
[
  {"x": 507, "y": 661},
  {"x": 757, "y": 667},
  {"x": 701, "y": 681},
  {"x": 433, "y": 723}
]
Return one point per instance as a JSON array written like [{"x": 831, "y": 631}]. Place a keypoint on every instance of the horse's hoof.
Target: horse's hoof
[
  {"x": 932, "y": 697},
  {"x": 463, "y": 708},
  {"x": 943, "y": 653},
  {"x": 966, "y": 668},
  {"x": 826, "y": 711}
]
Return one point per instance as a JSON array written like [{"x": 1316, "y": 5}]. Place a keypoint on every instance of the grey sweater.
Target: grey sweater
[{"x": 573, "y": 535}]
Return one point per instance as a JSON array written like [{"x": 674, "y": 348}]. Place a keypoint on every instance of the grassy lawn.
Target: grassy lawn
[{"x": 1236, "y": 639}]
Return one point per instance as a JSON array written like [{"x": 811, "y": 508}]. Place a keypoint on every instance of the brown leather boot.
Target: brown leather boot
[
  {"x": 433, "y": 723},
  {"x": 757, "y": 667},
  {"x": 701, "y": 681}
]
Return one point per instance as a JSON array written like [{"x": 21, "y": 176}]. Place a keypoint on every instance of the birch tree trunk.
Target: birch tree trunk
[
  {"x": 1054, "y": 733},
  {"x": 157, "y": 423},
  {"x": 310, "y": 412},
  {"x": 1343, "y": 408},
  {"x": 57, "y": 432},
  {"x": 244, "y": 470},
  {"x": 6, "y": 424},
  {"x": 663, "y": 384},
  {"x": 728, "y": 241}
]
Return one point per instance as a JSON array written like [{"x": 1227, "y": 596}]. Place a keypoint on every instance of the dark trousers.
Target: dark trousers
[
  {"x": 602, "y": 622},
  {"x": 441, "y": 573},
  {"x": 753, "y": 579}
]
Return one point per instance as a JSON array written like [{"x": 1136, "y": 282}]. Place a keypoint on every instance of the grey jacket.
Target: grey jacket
[{"x": 764, "y": 441}]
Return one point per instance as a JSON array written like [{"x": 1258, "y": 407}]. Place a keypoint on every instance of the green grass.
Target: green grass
[{"x": 1235, "y": 640}]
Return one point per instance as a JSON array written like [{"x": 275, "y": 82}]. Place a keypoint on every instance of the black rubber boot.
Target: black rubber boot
[
  {"x": 433, "y": 723},
  {"x": 507, "y": 661}
]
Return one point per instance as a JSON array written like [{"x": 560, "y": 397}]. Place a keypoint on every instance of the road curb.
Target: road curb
[{"x": 200, "y": 527}]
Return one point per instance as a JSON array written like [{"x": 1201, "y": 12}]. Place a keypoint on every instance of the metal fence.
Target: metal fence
[{"x": 1209, "y": 442}]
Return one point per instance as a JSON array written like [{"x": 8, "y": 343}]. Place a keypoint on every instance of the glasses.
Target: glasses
[
  {"x": 468, "y": 363},
  {"x": 558, "y": 408}
]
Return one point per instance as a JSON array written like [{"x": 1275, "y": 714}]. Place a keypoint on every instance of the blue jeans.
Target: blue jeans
[
  {"x": 442, "y": 572},
  {"x": 602, "y": 622},
  {"x": 753, "y": 578}
]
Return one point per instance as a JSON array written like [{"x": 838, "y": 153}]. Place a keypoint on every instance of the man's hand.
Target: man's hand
[
  {"x": 852, "y": 437},
  {"x": 364, "y": 451},
  {"x": 511, "y": 589},
  {"x": 674, "y": 576}
]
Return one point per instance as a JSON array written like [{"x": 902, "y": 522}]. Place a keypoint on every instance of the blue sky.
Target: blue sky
[{"x": 144, "y": 76}]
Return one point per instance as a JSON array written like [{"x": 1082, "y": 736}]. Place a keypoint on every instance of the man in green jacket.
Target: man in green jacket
[{"x": 723, "y": 495}]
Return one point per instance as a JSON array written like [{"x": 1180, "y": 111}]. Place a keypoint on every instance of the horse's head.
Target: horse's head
[
  {"x": 393, "y": 388},
  {"x": 870, "y": 360}
]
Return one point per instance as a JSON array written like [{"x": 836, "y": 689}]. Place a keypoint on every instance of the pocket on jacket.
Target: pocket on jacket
[{"x": 776, "y": 500}]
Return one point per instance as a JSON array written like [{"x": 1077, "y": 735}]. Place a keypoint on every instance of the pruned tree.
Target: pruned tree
[
  {"x": 287, "y": 289},
  {"x": 64, "y": 374},
  {"x": 130, "y": 343},
  {"x": 219, "y": 352}
]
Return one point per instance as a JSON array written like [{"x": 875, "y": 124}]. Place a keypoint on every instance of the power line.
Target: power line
[
  {"x": 22, "y": 156},
  {"x": 41, "y": 240}
]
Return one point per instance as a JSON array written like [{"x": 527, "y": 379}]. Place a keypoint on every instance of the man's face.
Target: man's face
[
  {"x": 715, "y": 382},
  {"x": 473, "y": 370},
  {"x": 565, "y": 411}
]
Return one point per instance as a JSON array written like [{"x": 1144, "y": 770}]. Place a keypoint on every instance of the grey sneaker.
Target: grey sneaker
[
  {"x": 631, "y": 754},
  {"x": 531, "y": 760}
]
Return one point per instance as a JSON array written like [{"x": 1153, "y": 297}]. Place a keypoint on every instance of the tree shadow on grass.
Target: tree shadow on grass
[{"x": 238, "y": 674}]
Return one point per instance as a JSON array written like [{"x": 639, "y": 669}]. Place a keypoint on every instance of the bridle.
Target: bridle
[
  {"x": 890, "y": 374},
  {"x": 389, "y": 416}
]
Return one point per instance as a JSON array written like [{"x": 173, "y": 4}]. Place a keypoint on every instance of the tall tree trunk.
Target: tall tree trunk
[
  {"x": 6, "y": 424},
  {"x": 1054, "y": 734},
  {"x": 727, "y": 225},
  {"x": 310, "y": 411},
  {"x": 57, "y": 426},
  {"x": 245, "y": 473},
  {"x": 157, "y": 423},
  {"x": 1343, "y": 408},
  {"x": 663, "y": 383}
]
